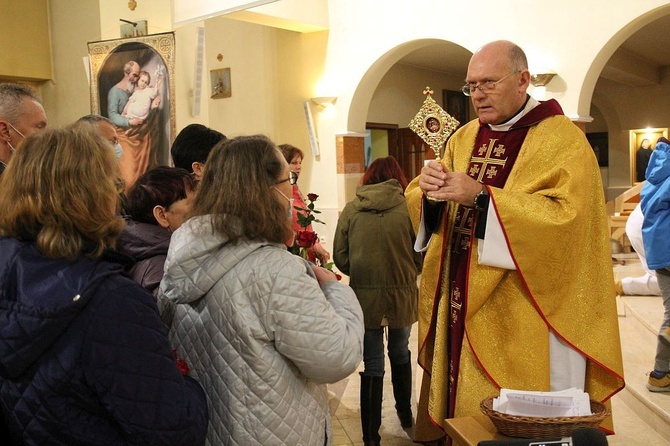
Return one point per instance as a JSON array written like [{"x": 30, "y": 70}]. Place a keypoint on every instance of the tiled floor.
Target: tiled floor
[
  {"x": 344, "y": 405},
  {"x": 630, "y": 426}
]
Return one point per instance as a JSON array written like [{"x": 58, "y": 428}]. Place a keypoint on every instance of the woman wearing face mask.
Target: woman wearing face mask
[
  {"x": 156, "y": 206},
  {"x": 263, "y": 329}
]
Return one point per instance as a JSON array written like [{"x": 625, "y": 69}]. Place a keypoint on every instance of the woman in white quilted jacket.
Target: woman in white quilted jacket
[{"x": 261, "y": 329}]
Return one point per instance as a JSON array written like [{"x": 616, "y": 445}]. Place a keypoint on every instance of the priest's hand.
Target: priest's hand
[
  {"x": 432, "y": 177},
  {"x": 461, "y": 188},
  {"x": 436, "y": 183}
]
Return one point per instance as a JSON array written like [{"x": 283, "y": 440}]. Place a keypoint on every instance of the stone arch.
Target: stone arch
[
  {"x": 366, "y": 87},
  {"x": 595, "y": 69},
  {"x": 618, "y": 172}
]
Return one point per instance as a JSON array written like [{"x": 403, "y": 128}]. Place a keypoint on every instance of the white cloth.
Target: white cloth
[
  {"x": 260, "y": 335},
  {"x": 646, "y": 285},
  {"x": 567, "y": 366},
  {"x": 139, "y": 103},
  {"x": 493, "y": 249}
]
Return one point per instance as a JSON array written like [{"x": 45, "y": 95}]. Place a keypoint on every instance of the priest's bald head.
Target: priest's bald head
[{"x": 497, "y": 81}]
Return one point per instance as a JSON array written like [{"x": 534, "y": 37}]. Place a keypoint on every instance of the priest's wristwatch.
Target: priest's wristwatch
[{"x": 482, "y": 200}]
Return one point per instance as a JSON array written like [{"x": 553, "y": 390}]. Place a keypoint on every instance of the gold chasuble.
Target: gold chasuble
[{"x": 482, "y": 328}]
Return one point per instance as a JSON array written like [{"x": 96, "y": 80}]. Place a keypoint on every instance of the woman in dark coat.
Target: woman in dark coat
[
  {"x": 156, "y": 206},
  {"x": 374, "y": 245},
  {"x": 84, "y": 359}
]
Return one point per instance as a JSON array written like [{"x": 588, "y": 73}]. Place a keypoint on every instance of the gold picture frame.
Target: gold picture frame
[
  {"x": 636, "y": 138},
  {"x": 220, "y": 83},
  {"x": 115, "y": 78}
]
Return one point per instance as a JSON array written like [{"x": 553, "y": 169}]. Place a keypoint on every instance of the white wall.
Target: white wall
[
  {"x": 274, "y": 71},
  {"x": 573, "y": 37},
  {"x": 399, "y": 96}
]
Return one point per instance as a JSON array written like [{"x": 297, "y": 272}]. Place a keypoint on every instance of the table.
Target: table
[{"x": 468, "y": 431}]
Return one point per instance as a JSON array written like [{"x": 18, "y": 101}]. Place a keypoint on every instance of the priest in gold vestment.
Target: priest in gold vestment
[{"x": 517, "y": 288}]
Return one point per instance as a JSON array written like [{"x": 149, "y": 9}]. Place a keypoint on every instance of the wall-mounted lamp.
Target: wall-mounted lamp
[
  {"x": 324, "y": 101},
  {"x": 542, "y": 79}
]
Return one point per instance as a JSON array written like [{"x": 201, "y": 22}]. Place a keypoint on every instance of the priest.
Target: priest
[{"x": 517, "y": 288}]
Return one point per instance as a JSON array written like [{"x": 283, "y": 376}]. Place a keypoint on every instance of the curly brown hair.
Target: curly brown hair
[
  {"x": 236, "y": 189},
  {"x": 60, "y": 192}
]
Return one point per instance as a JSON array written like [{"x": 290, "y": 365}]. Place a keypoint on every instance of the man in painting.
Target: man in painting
[
  {"x": 135, "y": 134},
  {"x": 118, "y": 95},
  {"x": 21, "y": 114}
]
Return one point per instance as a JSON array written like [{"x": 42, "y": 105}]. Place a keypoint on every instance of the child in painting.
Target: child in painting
[{"x": 139, "y": 103}]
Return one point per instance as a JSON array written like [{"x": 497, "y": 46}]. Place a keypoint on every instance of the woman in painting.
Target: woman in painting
[
  {"x": 137, "y": 136},
  {"x": 642, "y": 159}
]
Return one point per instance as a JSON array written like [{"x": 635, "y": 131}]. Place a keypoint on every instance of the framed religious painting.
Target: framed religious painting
[
  {"x": 132, "y": 84},
  {"x": 456, "y": 104},
  {"x": 220, "y": 83},
  {"x": 642, "y": 143}
]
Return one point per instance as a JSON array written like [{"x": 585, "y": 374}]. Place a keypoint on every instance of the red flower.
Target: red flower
[
  {"x": 305, "y": 239},
  {"x": 312, "y": 196},
  {"x": 181, "y": 364}
]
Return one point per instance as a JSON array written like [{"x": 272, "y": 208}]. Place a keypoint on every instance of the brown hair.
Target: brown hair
[
  {"x": 290, "y": 152},
  {"x": 237, "y": 189},
  {"x": 59, "y": 191}
]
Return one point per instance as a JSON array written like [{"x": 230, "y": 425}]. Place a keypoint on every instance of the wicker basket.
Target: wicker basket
[{"x": 541, "y": 427}]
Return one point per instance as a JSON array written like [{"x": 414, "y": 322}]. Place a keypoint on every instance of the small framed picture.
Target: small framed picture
[
  {"x": 220, "y": 81},
  {"x": 433, "y": 124},
  {"x": 133, "y": 29}
]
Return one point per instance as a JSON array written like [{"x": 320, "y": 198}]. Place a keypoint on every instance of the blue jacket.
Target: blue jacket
[
  {"x": 655, "y": 204},
  {"x": 84, "y": 359}
]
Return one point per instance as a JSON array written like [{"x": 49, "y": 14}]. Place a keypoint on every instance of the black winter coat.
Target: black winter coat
[{"x": 84, "y": 359}]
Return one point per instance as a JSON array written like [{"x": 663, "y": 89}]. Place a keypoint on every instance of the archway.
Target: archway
[{"x": 407, "y": 96}]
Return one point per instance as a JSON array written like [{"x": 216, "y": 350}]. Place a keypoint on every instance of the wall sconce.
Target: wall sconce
[
  {"x": 542, "y": 79},
  {"x": 324, "y": 101}
]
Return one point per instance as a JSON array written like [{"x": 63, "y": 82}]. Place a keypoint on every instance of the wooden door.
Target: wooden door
[{"x": 413, "y": 151}]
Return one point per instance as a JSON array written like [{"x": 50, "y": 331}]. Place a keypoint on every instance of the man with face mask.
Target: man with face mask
[
  {"x": 21, "y": 114},
  {"x": 107, "y": 130}
]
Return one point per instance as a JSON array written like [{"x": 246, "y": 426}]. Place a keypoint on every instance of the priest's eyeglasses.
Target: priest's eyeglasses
[{"x": 484, "y": 87}]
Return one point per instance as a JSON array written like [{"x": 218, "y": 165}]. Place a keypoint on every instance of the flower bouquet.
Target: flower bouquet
[{"x": 305, "y": 238}]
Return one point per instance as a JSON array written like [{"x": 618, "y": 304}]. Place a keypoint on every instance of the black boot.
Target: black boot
[
  {"x": 371, "y": 408},
  {"x": 401, "y": 376}
]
